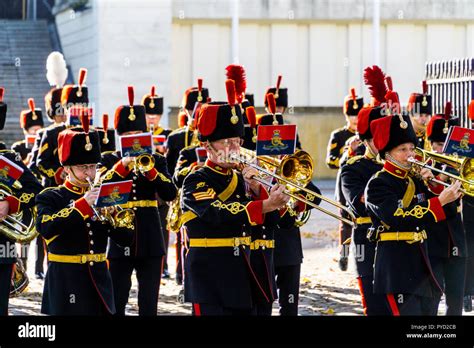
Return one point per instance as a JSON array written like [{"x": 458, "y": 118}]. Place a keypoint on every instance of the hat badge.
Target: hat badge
[
  {"x": 424, "y": 102},
  {"x": 132, "y": 116}
]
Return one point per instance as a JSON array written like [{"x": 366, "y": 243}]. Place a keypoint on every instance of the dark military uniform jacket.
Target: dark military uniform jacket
[
  {"x": 186, "y": 161},
  {"x": 20, "y": 147},
  {"x": 216, "y": 205},
  {"x": 397, "y": 203},
  {"x": 468, "y": 221},
  {"x": 21, "y": 200},
  {"x": 355, "y": 175},
  {"x": 149, "y": 240},
  {"x": 336, "y": 146},
  {"x": 48, "y": 159},
  {"x": 32, "y": 165},
  {"x": 177, "y": 140},
  {"x": 69, "y": 226},
  {"x": 162, "y": 131}
]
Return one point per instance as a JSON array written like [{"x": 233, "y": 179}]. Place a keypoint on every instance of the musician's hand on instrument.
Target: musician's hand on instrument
[
  {"x": 354, "y": 143},
  {"x": 426, "y": 174},
  {"x": 91, "y": 196},
  {"x": 451, "y": 193},
  {"x": 126, "y": 161},
  {"x": 249, "y": 173},
  {"x": 276, "y": 200},
  {"x": 4, "y": 208}
]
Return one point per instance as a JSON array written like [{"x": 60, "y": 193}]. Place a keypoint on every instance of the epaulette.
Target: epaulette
[
  {"x": 48, "y": 188},
  {"x": 7, "y": 151},
  {"x": 19, "y": 142},
  {"x": 176, "y": 131},
  {"x": 354, "y": 159},
  {"x": 107, "y": 153}
]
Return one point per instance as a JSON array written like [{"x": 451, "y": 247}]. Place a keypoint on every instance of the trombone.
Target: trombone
[
  {"x": 295, "y": 172},
  {"x": 465, "y": 167}
]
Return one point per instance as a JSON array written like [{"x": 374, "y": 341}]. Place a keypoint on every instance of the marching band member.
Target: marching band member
[
  {"x": 336, "y": 148},
  {"x": 78, "y": 281},
  {"x": 146, "y": 254},
  {"x": 447, "y": 239},
  {"x": 20, "y": 200},
  {"x": 218, "y": 212},
  {"x": 420, "y": 110},
  {"x": 400, "y": 208}
]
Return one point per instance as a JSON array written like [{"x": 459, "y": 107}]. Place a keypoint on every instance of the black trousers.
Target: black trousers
[
  {"x": 451, "y": 274},
  {"x": 179, "y": 257},
  {"x": 163, "y": 211},
  {"x": 406, "y": 304},
  {"x": 148, "y": 271},
  {"x": 39, "y": 254},
  {"x": 373, "y": 304},
  {"x": 206, "y": 309},
  {"x": 288, "y": 285},
  {"x": 5, "y": 283}
]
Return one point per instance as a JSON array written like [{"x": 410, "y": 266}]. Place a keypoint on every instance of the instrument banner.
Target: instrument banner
[
  {"x": 30, "y": 140},
  {"x": 159, "y": 140},
  {"x": 460, "y": 142},
  {"x": 9, "y": 171},
  {"x": 276, "y": 140},
  {"x": 136, "y": 144},
  {"x": 201, "y": 154},
  {"x": 113, "y": 193}
]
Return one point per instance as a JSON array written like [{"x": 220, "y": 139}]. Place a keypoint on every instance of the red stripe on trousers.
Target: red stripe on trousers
[
  {"x": 393, "y": 305},
  {"x": 361, "y": 290},
  {"x": 197, "y": 309}
]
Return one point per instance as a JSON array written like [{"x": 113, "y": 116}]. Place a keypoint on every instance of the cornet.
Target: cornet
[{"x": 143, "y": 163}]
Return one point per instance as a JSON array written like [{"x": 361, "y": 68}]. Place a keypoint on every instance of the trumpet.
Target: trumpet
[
  {"x": 120, "y": 218},
  {"x": 294, "y": 172},
  {"x": 12, "y": 226},
  {"x": 143, "y": 163},
  {"x": 465, "y": 167}
]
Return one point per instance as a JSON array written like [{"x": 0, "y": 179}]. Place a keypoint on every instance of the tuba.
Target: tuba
[
  {"x": 13, "y": 226},
  {"x": 20, "y": 280}
]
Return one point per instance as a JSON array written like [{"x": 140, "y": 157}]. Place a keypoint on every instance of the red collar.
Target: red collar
[
  {"x": 73, "y": 188},
  {"x": 395, "y": 170},
  {"x": 217, "y": 168}
]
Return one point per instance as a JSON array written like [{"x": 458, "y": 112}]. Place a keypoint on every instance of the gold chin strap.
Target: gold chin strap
[{"x": 84, "y": 183}]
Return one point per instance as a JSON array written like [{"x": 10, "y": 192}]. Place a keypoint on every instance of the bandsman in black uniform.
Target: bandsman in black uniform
[
  {"x": 48, "y": 160},
  {"x": 401, "y": 208},
  {"x": 145, "y": 256},
  {"x": 21, "y": 199},
  {"x": 78, "y": 281},
  {"x": 355, "y": 175},
  {"x": 180, "y": 139},
  {"x": 218, "y": 213},
  {"x": 447, "y": 239},
  {"x": 420, "y": 110},
  {"x": 288, "y": 252},
  {"x": 335, "y": 151},
  {"x": 31, "y": 121},
  {"x": 106, "y": 135},
  {"x": 154, "y": 110}
]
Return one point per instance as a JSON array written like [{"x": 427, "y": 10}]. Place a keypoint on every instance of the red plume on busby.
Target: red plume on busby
[
  {"x": 105, "y": 126},
  {"x": 131, "y": 97},
  {"x": 199, "y": 98},
  {"x": 277, "y": 94},
  {"x": 81, "y": 81},
  {"x": 470, "y": 112},
  {"x": 230, "y": 88},
  {"x": 2, "y": 92},
  {"x": 272, "y": 106},
  {"x": 352, "y": 104},
  {"x": 31, "y": 116},
  {"x": 31, "y": 104},
  {"x": 152, "y": 94},
  {"x": 374, "y": 78},
  {"x": 438, "y": 126},
  {"x": 448, "y": 109},
  {"x": 424, "y": 86},
  {"x": 85, "y": 126},
  {"x": 252, "y": 119},
  {"x": 237, "y": 73}
]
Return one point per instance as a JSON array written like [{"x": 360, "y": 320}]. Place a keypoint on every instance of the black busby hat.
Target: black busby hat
[
  {"x": 420, "y": 103},
  {"x": 391, "y": 131},
  {"x": 130, "y": 117},
  {"x": 79, "y": 146},
  {"x": 437, "y": 128},
  {"x": 153, "y": 103},
  {"x": 193, "y": 95},
  {"x": 221, "y": 120},
  {"x": 3, "y": 109},
  {"x": 76, "y": 94},
  {"x": 32, "y": 116},
  {"x": 106, "y": 135},
  {"x": 365, "y": 117},
  {"x": 250, "y": 126},
  {"x": 52, "y": 103},
  {"x": 272, "y": 118},
  {"x": 250, "y": 99},
  {"x": 352, "y": 104},
  {"x": 280, "y": 93}
]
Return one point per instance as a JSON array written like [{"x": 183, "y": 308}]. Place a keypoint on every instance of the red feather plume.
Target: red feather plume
[
  {"x": 251, "y": 116},
  {"x": 2, "y": 92},
  {"x": 105, "y": 122},
  {"x": 230, "y": 87},
  {"x": 152, "y": 93},
  {"x": 131, "y": 96},
  {"x": 278, "y": 82},
  {"x": 388, "y": 82},
  {"x": 82, "y": 76},
  {"x": 353, "y": 93},
  {"x": 237, "y": 73},
  {"x": 85, "y": 120},
  {"x": 424, "y": 85},
  {"x": 31, "y": 104},
  {"x": 448, "y": 108},
  {"x": 199, "y": 85},
  {"x": 271, "y": 103},
  {"x": 374, "y": 78}
]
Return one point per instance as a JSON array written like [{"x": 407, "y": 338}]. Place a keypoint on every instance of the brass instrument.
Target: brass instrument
[
  {"x": 120, "y": 218},
  {"x": 464, "y": 165},
  {"x": 294, "y": 172},
  {"x": 143, "y": 163},
  {"x": 174, "y": 214},
  {"x": 12, "y": 226}
]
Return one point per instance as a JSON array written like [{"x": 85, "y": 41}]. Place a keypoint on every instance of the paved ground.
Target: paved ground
[{"x": 325, "y": 290}]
